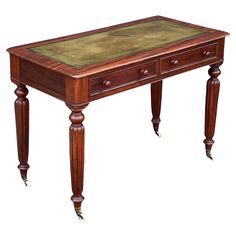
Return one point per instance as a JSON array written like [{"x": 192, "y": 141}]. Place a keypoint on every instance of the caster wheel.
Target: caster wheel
[
  {"x": 208, "y": 153},
  {"x": 79, "y": 214},
  {"x": 27, "y": 182},
  {"x": 158, "y": 134}
]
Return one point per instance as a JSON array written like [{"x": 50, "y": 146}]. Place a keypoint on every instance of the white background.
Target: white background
[{"x": 135, "y": 183}]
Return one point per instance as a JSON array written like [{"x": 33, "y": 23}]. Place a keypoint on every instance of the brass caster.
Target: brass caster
[
  {"x": 158, "y": 134},
  {"x": 27, "y": 183},
  {"x": 79, "y": 213},
  {"x": 208, "y": 153}
]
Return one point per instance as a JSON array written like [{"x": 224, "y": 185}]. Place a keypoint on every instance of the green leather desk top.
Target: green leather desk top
[{"x": 124, "y": 41}]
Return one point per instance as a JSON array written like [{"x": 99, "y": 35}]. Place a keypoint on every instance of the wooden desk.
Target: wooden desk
[{"x": 81, "y": 68}]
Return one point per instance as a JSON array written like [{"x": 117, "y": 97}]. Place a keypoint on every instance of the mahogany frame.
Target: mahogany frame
[{"x": 75, "y": 86}]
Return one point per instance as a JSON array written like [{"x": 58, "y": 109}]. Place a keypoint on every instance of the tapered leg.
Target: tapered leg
[
  {"x": 22, "y": 129},
  {"x": 77, "y": 157},
  {"x": 156, "y": 94},
  {"x": 212, "y": 92}
]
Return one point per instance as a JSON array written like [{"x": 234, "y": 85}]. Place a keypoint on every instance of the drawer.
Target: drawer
[
  {"x": 188, "y": 58},
  {"x": 123, "y": 77}
]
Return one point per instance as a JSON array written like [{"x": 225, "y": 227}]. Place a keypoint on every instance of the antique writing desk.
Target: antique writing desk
[{"x": 81, "y": 68}]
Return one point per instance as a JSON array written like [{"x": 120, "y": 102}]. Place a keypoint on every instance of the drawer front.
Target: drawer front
[
  {"x": 188, "y": 58},
  {"x": 122, "y": 77}
]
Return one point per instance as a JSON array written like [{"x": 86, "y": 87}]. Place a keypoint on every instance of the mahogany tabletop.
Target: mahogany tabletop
[{"x": 93, "y": 51}]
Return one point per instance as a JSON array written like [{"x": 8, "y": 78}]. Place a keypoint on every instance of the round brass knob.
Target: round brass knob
[
  {"x": 206, "y": 53},
  {"x": 106, "y": 83},
  {"x": 144, "y": 71},
  {"x": 174, "y": 62}
]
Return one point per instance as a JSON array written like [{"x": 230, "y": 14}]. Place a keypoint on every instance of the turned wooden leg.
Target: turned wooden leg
[
  {"x": 212, "y": 92},
  {"x": 22, "y": 129},
  {"x": 156, "y": 93},
  {"x": 77, "y": 157}
]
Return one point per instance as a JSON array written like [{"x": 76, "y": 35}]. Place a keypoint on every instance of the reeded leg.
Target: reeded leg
[
  {"x": 212, "y": 92},
  {"x": 22, "y": 129},
  {"x": 77, "y": 157},
  {"x": 156, "y": 93}
]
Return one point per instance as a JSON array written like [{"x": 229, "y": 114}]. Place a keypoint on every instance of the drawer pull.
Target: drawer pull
[
  {"x": 174, "y": 62},
  {"x": 144, "y": 71},
  {"x": 106, "y": 83},
  {"x": 206, "y": 53}
]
